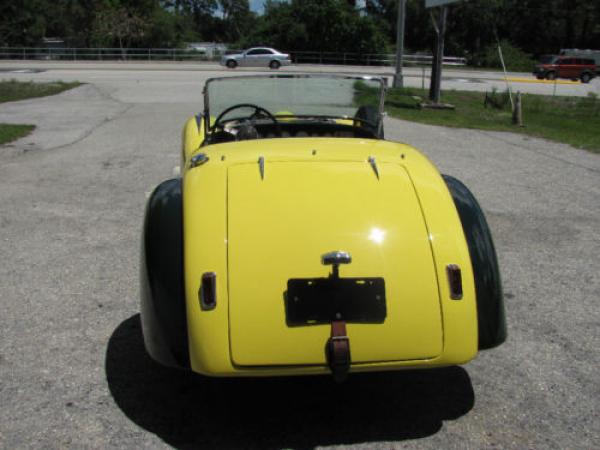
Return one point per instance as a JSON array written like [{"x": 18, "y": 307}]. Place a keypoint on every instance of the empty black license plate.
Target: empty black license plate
[{"x": 312, "y": 301}]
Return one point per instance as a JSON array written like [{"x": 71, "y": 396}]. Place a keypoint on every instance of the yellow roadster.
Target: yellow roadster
[{"x": 298, "y": 241}]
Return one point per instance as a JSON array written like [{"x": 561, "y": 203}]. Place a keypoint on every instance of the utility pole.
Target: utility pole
[{"x": 398, "y": 78}]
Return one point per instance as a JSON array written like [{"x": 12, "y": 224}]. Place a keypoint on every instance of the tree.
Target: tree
[
  {"x": 193, "y": 17},
  {"x": 70, "y": 20},
  {"x": 237, "y": 19},
  {"x": 326, "y": 25},
  {"x": 21, "y": 22},
  {"x": 535, "y": 26},
  {"x": 118, "y": 24}
]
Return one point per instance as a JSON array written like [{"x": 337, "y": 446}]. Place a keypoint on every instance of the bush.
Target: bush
[
  {"x": 514, "y": 58},
  {"x": 496, "y": 100}
]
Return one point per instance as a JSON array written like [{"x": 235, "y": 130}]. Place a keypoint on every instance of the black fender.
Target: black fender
[
  {"x": 163, "y": 313},
  {"x": 491, "y": 316}
]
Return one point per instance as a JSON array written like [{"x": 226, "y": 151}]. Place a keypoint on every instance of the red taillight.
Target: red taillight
[
  {"x": 208, "y": 291},
  {"x": 454, "y": 281}
]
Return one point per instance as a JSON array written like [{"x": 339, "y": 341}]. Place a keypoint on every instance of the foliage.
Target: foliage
[
  {"x": 120, "y": 24},
  {"x": 514, "y": 58},
  {"x": 496, "y": 100},
  {"x": 12, "y": 132},
  {"x": 474, "y": 27},
  {"x": 322, "y": 25},
  {"x": 237, "y": 19},
  {"x": 13, "y": 90},
  {"x": 21, "y": 23},
  {"x": 536, "y": 26},
  {"x": 365, "y": 95},
  {"x": 569, "y": 120}
]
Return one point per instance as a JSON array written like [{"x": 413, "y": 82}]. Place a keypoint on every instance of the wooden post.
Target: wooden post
[{"x": 517, "y": 117}]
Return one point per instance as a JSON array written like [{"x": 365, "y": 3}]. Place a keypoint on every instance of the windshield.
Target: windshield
[
  {"x": 548, "y": 59},
  {"x": 295, "y": 95}
]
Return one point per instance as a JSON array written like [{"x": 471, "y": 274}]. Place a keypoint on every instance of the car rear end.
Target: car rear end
[
  {"x": 258, "y": 220},
  {"x": 284, "y": 59}
]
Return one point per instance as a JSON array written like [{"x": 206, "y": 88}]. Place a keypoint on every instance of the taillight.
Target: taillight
[
  {"x": 454, "y": 281},
  {"x": 208, "y": 291}
]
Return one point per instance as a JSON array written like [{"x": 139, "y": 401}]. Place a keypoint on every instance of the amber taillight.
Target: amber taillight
[{"x": 208, "y": 291}]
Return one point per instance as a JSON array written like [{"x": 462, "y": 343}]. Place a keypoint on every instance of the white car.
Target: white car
[{"x": 257, "y": 57}]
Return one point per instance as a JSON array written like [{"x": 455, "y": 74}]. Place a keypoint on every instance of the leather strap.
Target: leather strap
[
  {"x": 338, "y": 328},
  {"x": 338, "y": 351}
]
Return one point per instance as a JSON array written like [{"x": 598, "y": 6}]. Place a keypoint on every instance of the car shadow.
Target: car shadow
[{"x": 190, "y": 411}]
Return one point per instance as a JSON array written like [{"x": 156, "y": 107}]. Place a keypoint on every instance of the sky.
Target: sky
[{"x": 258, "y": 5}]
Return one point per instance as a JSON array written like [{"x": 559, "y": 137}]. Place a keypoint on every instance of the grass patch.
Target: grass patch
[
  {"x": 10, "y": 133},
  {"x": 570, "y": 120},
  {"x": 11, "y": 91}
]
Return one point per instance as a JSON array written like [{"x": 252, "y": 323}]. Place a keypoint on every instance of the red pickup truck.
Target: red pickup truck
[{"x": 571, "y": 67}]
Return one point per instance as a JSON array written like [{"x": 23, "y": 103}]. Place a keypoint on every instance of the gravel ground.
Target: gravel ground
[{"x": 73, "y": 372}]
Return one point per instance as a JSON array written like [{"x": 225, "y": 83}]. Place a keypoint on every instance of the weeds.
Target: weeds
[{"x": 14, "y": 90}]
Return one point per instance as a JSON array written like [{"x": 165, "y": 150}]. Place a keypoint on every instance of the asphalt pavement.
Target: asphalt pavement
[
  {"x": 73, "y": 371},
  {"x": 457, "y": 78}
]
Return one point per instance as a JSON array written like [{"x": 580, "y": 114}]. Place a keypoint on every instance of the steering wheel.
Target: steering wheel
[{"x": 257, "y": 110}]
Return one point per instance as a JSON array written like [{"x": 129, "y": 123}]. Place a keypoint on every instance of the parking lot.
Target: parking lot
[{"x": 73, "y": 371}]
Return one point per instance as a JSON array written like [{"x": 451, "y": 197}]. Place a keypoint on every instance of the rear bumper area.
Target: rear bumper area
[{"x": 290, "y": 371}]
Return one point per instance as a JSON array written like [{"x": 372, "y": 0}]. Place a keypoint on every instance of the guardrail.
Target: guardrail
[
  {"x": 369, "y": 59},
  {"x": 170, "y": 54},
  {"x": 104, "y": 54}
]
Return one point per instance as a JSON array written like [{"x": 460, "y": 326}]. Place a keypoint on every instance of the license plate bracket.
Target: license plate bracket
[{"x": 316, "y": 301}]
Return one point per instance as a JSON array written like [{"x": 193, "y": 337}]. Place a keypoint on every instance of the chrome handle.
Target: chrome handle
[{"x": 335, "y": 258}]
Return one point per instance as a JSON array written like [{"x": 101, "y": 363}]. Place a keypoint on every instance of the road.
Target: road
[
  {"x": 73, "y": 372},
  {"x": 453, "y": 78}
]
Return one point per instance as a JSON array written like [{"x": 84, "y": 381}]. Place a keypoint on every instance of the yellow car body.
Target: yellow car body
[{"x": 257, "y": 213}]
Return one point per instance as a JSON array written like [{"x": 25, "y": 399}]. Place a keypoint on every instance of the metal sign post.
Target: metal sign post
[
  {"x": 438, "y": 56},
  {"x": 398, "y": 79}
]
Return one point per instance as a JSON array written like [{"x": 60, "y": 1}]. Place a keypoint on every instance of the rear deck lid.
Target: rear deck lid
[{"x": 278, "y": 228}]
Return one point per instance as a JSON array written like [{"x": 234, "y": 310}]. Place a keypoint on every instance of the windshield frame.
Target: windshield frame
[{"x": 381, "y": 80}]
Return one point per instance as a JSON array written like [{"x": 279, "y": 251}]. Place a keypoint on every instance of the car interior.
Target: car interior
[{"x": 261, "y": 124}]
